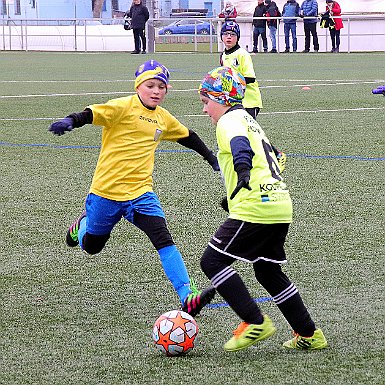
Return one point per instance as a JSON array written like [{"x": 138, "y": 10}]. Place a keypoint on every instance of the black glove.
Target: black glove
[
  {"x": 225, "y": 204},
  {"x": 243, "y": 181},
  {"x": 213, "y": 161},
  {"x": 61, "y": 126}
]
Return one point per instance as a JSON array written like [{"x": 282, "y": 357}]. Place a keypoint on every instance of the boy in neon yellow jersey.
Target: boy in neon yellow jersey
[
  {"x": 133, "y": 127},
  {"x": 239, "y": 59},
  {"x": 260, "y": 211}
]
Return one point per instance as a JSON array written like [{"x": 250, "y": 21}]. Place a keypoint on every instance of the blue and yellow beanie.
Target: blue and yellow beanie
[
  {"x": 151, "y": 69},
  {"x": 224, "y": 85}
]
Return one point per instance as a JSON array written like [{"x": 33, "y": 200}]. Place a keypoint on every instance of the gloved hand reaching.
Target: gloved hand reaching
[
  {"x": 61, "y": 126},
  {"x": 243, "y": 181}
]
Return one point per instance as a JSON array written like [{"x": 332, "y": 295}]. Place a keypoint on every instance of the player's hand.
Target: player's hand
[
  {"x": 243, "y": 182},
  {"x": 282, "y": 158},
  {"x": 213, "y": 161},
  {"x": 61, "y": 126},
  {"x": 215, "y": 165},
  {"x": 225, "y": 204}
]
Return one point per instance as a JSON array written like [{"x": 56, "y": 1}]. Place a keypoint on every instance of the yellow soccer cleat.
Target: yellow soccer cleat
[
  {"x": 315, "y": 342},
  {"x": 247, "y": 334}
]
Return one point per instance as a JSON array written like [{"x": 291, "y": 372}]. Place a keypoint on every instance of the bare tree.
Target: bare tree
[{"x": 98, "y": 6}]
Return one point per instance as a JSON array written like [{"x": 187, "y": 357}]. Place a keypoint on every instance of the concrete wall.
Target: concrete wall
[{"x": 360, "y": 34}]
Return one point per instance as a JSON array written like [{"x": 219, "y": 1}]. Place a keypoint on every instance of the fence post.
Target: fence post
[{"x": 348, "y": 34}]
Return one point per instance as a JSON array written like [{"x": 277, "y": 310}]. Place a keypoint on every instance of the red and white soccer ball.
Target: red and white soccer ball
[{"x": 174, "y": 333}]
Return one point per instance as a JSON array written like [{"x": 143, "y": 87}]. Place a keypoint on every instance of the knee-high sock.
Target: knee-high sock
[
  {"x": 285, "y": 296},
  {"x": 175, "y": 269},
  {"x": 230, "y": 286}
]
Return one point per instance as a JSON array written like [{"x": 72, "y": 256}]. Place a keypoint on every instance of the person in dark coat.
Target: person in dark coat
[
  {"x": 272, "y": 11},
  {"x": 139, "y": 15},
  {"x": 259, "y": 26}
]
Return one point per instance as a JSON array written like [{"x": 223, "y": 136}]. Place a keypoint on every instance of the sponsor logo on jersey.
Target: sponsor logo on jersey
[{"x": 149, "y": 120}]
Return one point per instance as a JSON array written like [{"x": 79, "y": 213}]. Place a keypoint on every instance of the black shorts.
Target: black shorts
[{"x": 251, "y": 242}]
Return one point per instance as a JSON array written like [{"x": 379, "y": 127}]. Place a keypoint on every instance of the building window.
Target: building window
[
  {"x": 17, "y": 7},
  {"x": 4, "y": 7},
  {"x": 115, "y": 5},
  {"x": 104, "y": 8}
]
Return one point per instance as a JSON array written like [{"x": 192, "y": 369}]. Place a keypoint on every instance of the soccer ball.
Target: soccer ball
[{"x": 174, "y": 333}]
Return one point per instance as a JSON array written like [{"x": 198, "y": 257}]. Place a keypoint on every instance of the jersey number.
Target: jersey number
[{"x": 273, "y": 166}]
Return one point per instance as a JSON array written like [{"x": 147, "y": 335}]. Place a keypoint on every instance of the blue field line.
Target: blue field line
[
  {"x": 225, "y": 304},
  {"x": 63, "y": 147}
]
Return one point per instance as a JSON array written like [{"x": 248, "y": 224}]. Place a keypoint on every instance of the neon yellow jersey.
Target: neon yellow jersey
[
  {"x": 269, "y": 200},
  {"x": 241, "y": 61},
  {"x": 130, "y": 136}
]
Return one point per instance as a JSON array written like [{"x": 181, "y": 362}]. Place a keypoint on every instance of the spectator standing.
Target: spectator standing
[
  {"x": 290, "y": 13},
  {"x": 229, "y": 12},
  {"x": 310, "y": 8},
  {"x": 259, "y": 26},
  {"x": 139, "y": 15},
  {"x": 272, "y": 11},
  {"x": 334, "y": 9}
]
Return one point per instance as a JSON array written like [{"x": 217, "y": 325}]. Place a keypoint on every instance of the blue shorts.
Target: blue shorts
[{"x": 103, "y": 214}]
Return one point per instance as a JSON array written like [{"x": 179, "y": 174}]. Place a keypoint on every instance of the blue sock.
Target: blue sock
[
  {"x": 82, "y": 230},
  {"x": 175, "y": 269}
]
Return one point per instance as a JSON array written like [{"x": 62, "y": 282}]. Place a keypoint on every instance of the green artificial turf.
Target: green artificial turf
[{"x": 70, "y": 318}]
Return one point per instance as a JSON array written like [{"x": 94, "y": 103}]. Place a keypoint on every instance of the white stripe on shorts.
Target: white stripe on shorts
[
  {"x": 285, "y": 294},
  {"x": 222, "y": 276}
]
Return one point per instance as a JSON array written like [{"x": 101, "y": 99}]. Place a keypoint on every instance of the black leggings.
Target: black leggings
[
  {"x": 335, "y": 36},
  {"x": 139, "y": 37},
  {"x": 154, "y": 227}
]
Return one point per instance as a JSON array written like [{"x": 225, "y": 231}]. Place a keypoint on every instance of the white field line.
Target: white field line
[
  {"x": 323, "y": 84},
  {"x": 191, "y": 80},
  {"x": 204, "y": 115}
]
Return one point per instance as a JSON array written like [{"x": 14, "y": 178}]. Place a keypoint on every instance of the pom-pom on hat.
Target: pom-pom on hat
[
  {"x": 223, "y": 85},
  {"x": 151, "y": 69}
]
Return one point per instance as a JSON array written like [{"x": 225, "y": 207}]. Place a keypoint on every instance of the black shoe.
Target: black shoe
[
  {"x": 144, "y": 52},
  {"x": 316, "y": 50},
  {"x": 265, "y": 50},
  {"x": 337, "y": 50},
  {"x": 72, "y": 238},
  {"x": 306, "y": 51},
  {"x": 197, "y": 300},
  {"x": 287, "y": 50},
  {"x": 273, "y": 50},
  {"x": 135, "y": 52}
]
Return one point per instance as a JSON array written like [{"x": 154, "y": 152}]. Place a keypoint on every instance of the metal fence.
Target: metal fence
[{"x": 361, "y": 33}]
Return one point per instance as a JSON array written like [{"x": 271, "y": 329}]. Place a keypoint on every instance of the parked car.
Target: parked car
[{"x": 187, "y": 26}]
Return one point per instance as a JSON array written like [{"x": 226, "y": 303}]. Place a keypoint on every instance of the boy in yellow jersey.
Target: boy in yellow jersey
[
  {"x": 133, "y": 127},
  {"x": 239, "y": 59},
  {"x": 260, "y": 211}
]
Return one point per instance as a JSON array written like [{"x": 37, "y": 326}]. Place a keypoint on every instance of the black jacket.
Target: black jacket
[
  {"x": 273, "y": 11},
  {"x": 139, "y": 16},
  {"x": 260, "y": 11}
]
